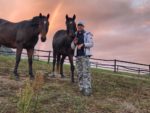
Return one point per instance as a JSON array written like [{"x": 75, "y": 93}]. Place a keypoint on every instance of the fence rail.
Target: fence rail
[{"x": 114, "y": 65}]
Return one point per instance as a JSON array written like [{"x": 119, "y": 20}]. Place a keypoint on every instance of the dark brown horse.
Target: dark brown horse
[
  {"x": 24, "y": 35},
  {"x": 62, "y": 46}
]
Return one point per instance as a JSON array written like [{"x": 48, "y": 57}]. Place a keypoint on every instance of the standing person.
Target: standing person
[{"x": 81, "y": 45}]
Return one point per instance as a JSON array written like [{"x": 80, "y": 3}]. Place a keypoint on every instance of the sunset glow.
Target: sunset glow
[
  {"x": 54, "y": 16},
  {"x": 121, "y": 28}
]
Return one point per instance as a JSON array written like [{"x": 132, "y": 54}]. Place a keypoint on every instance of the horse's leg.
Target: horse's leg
[
  {"x": 30, "y": 54},
  {"x": 54, "y": 62},
  {"x": 18, "y": 57},
  {"x": 72, "y": 67},
  {"x": 61, "y": 66},
  {"x": 58, "y": 63}
]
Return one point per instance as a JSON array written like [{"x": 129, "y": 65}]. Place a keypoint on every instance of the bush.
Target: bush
[{"x": 28, "y": 96}]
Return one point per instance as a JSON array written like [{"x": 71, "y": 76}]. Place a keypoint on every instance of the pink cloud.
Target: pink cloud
[{"x": 120, "y": 30}]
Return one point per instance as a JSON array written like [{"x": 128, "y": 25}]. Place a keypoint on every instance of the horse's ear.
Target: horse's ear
[
  {"x": 40, "y": 15},
  {"x": 48, "y": 16},
  {"x": 74, "y": 16},
  {"x": 67, "y": 17}
]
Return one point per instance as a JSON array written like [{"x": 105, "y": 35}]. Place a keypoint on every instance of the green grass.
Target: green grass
[{"x": 112, "y": 92}]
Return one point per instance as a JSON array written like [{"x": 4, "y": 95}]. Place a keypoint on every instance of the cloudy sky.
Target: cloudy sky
[{"x": 121, "y": 28}]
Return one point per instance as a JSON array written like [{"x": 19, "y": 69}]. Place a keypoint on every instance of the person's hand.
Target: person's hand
[
  {"x": 75, "y": 40},
  {"x": 80, "y": 46}
]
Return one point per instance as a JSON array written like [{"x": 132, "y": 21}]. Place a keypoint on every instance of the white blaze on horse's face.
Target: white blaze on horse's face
[
  {"x": 45, "y": 22},
  {"x": 44, "y": 29},
  {"x": 40, "y": 35}
]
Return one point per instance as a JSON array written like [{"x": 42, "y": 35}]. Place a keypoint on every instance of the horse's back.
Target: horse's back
[
  {"x": 9, "y": 32},
  {"x": 60, "y": 34},
  {"x": 5, "y": 23}
]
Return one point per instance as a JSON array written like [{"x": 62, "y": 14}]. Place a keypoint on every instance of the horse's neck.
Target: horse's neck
[
  {"x": 35, "y": 30},
  {"x": 69, "y": 40}
]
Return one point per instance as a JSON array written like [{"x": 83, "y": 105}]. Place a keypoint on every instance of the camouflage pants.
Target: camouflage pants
[{"x": 83, "y": 71}]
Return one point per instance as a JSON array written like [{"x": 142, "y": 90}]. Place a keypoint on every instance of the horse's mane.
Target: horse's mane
[
  {"x": 3, "y": 21},
  {"x": 35, "y": 20}
]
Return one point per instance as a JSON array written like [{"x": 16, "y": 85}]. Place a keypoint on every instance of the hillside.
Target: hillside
[{"x": 112, "y": 92}]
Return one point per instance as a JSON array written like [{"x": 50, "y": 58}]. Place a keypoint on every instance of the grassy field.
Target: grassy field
[{"x": 112, "y": 92}]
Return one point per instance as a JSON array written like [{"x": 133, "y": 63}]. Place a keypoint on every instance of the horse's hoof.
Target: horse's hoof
[
  {"x": 73, "y": 81},
  {"x": 17, "y": 78},
  {"x": 62, "y": 76},
  {"x": 32, "y": 77},
  {"x": 53, "y": 76},
  {"x": 87, "y": 92}
]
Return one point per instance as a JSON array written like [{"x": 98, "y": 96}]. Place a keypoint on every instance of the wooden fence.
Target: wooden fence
[{"x": 114, "y": 65}]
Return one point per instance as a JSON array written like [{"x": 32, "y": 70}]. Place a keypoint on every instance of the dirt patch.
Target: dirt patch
[{"x": 127, "y": 107}]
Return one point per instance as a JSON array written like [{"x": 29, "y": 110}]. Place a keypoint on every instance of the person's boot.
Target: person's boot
[
  {"x": 32, "y": 77},
  {"x": 87, "y": 91},
  {"x": 81, "y": 90}
]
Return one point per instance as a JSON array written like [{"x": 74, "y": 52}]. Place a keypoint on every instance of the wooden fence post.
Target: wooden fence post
[
  {"x": 38, "y": 57},
  {"x": 139, "y": 71},
  {"x": 33, "y": 55},
  {"x": 115, "y": 65},
  {"x": 149, "y": 69},
  {"x": 49, "y": 55},
  {"x": 117, "y": 68},
  {"x": 96, "y": 64}
]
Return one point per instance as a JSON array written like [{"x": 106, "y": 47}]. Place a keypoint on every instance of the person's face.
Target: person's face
[{"x": 80, "y": 28}]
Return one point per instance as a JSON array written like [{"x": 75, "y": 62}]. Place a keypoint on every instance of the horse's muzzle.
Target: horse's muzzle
[{"x": 43, "y": 39}]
